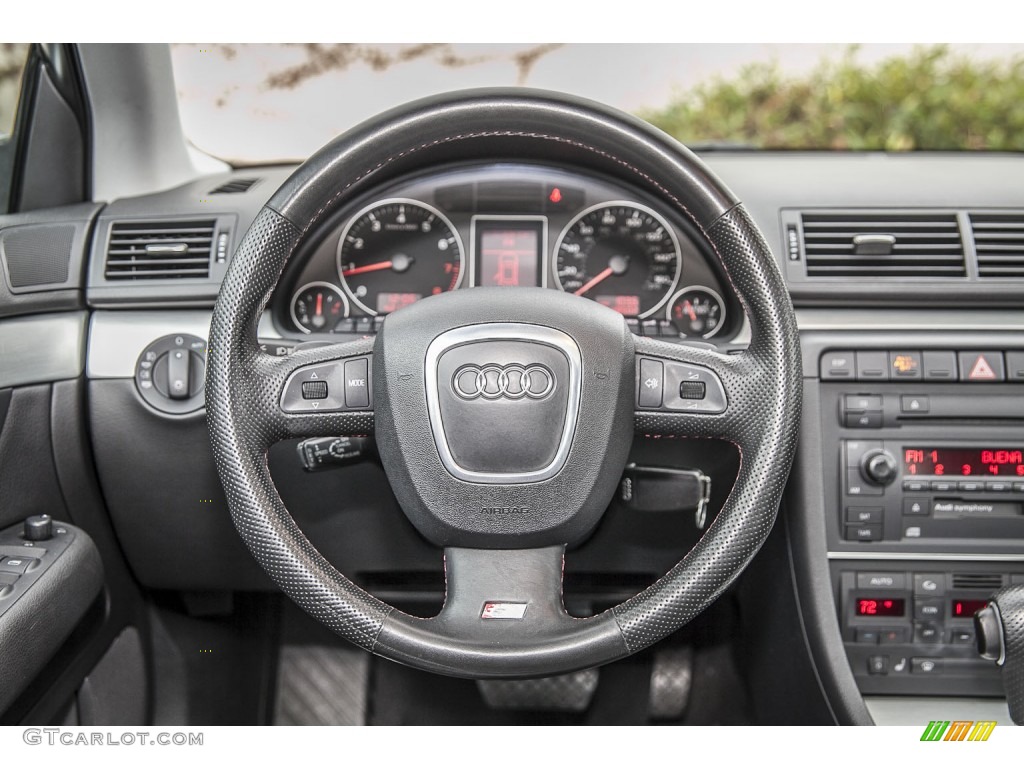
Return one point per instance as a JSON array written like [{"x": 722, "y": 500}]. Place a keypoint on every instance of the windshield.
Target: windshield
[{"x": 261, "y": 103}]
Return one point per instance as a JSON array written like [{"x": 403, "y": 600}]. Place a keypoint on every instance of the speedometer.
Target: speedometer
[
  {"x": 622, "y": 255},
  {"x": 397, "y": 251}
]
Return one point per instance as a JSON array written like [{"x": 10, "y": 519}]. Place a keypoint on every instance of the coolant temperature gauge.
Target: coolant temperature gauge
[
  {"x": 697, "y": 312},
  {"x": 317, "y": 307}
]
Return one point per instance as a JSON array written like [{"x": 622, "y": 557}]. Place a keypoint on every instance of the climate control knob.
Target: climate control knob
[{"x": 878, "y": 467}]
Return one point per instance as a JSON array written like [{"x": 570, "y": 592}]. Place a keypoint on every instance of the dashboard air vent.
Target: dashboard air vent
[
  {"x": 234, "y": 187},
  {"x": 873, "y": 244},
  {"x": 999, "y": 242},
  {"x": 977, "y": 581},
  {"x": 149, "y": 250}
]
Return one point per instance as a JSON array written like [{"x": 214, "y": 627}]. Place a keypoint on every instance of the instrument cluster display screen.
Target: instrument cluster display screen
[{"x": 508, "y": 252}]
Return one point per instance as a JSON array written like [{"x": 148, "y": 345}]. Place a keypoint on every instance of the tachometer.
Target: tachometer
[
  {"x": 622, "y": 255},
  {"x": 318, "y": 307},
  {"x": 397, "y": 251}
]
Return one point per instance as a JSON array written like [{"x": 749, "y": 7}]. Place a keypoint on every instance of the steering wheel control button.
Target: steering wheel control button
[
  {"x": 171, "y": 373},
  {"x": 692, "y": 390},
  {"x": 357, "y": 383},
  {"x": 324, "y": 387},
  {"x": 981, "y": 366},
  {"x": 314, "y": 390},
  {"x": 652, "y": 383},
  {"x": 666, "y": 385},
  {"x": 503, "y": 401}
]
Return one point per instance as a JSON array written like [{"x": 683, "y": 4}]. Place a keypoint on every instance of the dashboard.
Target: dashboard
[
  {"x": 885, "y": 541},
  {"x": 507, "y": 225}
]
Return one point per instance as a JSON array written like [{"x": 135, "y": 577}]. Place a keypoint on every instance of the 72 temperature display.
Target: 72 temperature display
[{"x": 880, "y": 606}]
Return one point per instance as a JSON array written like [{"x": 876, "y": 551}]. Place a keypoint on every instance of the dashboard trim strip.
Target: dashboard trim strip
[
  {"x": 962, "y": 556},
  {"x": 42, "y": 348}
]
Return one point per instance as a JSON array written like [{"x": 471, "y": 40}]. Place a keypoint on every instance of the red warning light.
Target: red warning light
[{"x": 555, "y": 196}]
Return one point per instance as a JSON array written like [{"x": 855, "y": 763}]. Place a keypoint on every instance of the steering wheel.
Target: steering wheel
[{"x": 503, "y": 416}]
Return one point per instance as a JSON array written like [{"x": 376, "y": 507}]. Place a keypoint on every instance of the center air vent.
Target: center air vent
[
  {"x": 873, "y": 244},
  {"x": 990, "y": 581},
  {"x": 148, "y": 250},
  {"x": 999, "y": 242}
]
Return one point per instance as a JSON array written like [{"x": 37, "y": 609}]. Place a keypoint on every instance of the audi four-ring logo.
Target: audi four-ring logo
[{"x": 493, "y": 381}]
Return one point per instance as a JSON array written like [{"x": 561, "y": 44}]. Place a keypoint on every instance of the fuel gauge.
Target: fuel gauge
[
  {"x": 697, "y": 312},
  {"x": 317, "y": 307}
]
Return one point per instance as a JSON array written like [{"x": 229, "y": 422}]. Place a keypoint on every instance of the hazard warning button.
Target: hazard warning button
[{"x": 981, "y": 366}]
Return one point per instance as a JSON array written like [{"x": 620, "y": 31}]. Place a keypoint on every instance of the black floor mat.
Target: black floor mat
[{"x": 402, "y": 696}]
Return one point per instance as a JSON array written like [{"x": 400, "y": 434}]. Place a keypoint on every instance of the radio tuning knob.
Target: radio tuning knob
[{"x": 878, "y": 467}]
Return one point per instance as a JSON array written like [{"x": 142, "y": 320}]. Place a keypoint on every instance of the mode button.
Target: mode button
[{"x": 357, "y": 383}]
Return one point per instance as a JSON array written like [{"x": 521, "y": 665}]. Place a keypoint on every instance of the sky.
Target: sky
[{"x": 231, "y": 109}]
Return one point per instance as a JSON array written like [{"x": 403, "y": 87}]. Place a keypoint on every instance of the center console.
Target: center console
[{"x": 922, "y": 498}]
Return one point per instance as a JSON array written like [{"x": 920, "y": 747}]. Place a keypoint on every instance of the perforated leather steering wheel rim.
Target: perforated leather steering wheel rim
[{"x": 244, "y": 385}]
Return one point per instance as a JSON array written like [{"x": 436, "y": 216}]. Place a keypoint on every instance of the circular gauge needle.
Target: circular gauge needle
[
  {"x": 690, "y": 311},
  {"x": 399, "y": 263},
  {"x": 617, "y": 265}
]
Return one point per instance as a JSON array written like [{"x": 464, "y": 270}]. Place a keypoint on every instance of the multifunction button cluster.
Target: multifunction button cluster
[
  {"x": 338, "y": 385},
  {"x": 980, "y": 366},
  {"x": 665, "y": 385}
]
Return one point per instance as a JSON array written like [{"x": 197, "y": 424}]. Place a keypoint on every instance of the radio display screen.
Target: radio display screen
[{"x": 964, "y": 462}]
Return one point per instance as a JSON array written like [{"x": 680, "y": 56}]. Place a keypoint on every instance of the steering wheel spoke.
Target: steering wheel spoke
[
  {"x": 503, "y": 616},
  {"x": 689, "y": 391},
  {"x": 320, "y": 391}
]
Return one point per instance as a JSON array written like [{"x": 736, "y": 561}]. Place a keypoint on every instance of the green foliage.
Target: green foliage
[{"x": 930, "y": 100}]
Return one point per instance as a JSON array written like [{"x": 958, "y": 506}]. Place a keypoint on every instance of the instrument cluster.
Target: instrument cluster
[{"x": 507, "y": 225}]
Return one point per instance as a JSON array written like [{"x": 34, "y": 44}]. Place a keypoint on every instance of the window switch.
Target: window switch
[{"x": 17, "y": 565}]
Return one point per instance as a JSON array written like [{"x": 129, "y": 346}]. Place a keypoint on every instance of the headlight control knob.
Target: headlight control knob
[
  {"x": 878, "y": 467},
  {"x": 170, "y": 373}
]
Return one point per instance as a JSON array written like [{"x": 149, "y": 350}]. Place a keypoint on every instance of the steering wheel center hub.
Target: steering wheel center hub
[
  {"x": 495, "y": 426},
  {"x": 503, "y": 401}
]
